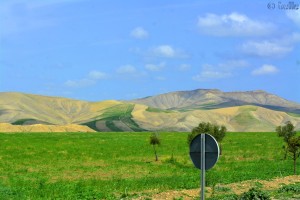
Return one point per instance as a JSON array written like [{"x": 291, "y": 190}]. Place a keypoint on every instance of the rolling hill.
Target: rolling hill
[
  {"x": 175, "y": 111},
  {"x": 211, "y": 99}
]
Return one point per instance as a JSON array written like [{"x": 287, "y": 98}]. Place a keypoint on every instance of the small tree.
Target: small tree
[
  {"x": 155, "y": 140},
  {"x": 287, "y": 131},
  {"x": 292, "y": 141},
  {"x": 218, "y": 132},
  {"x": 294, "y": 148}
]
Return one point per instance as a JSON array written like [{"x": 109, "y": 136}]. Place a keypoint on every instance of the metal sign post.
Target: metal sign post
[
  {"x": 202, "y": 166},
  {"x": 204, "y": 152}
]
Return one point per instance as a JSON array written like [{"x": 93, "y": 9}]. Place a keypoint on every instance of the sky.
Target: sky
[{"x": 99, "y": 50}]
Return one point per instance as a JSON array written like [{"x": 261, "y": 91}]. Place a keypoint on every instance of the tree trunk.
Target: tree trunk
[
  {"x": 295, "y": 159},
  {"x": 285, "y": 153},
  {"x": 156, "y": 157}
]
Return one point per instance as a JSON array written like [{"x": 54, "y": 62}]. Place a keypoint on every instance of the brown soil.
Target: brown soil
[{"x": 237, "y": 188}]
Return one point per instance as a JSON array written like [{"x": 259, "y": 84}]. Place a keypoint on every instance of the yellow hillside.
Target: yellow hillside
[
  {"x": 8, "y": 128},
  {"x": 239, "y": 118},
  {"x": 26, "y": 109}
]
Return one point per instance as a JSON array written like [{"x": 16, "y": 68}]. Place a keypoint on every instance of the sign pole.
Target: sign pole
[
  {"x": 204, "y": 158},
  {"x": 202, "y": 166}
]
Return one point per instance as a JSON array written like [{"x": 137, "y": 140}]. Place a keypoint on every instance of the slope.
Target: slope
[
  {"x": 28, "y": 109},
  {"x": 184, "y": 110},
  {"x": 239, "y": 118},
  {"x": 212, "y": 99},
  {"x": 8, "y": 128}
]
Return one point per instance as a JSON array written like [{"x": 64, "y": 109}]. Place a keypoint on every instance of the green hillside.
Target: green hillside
[{"x": 117, "y": 118}]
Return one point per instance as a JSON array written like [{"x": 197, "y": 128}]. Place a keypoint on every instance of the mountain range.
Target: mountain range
[{"x": 174, "y": 111}]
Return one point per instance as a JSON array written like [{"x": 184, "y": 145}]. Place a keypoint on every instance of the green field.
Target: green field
[{"x": 112, "y": 165}]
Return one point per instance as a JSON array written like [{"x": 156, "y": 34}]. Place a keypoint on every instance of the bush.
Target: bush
[
  {"x": 225, "y": 197},
  {"x": 294, "y": 188},
  {"x": 255, "y": 194}
]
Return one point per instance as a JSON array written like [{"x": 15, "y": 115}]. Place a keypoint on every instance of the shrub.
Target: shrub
[
  {"x": 255, "y": 194},
  {"x": 294, "y": 188}
]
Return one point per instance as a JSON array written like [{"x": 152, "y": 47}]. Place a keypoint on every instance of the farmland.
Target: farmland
[{"x": 115, "y": 165}]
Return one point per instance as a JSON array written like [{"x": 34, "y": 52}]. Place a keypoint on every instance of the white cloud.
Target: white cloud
[
  {"x": 164, "y": 51},
  {"x": 233, "y": 64},
  {"x": 130, "y": 72},
  {"x": 184, "y": 67},
  {"x": 234, "y": 24},
  {"x": 80, "y": 83},
  {"x": 291, "y": 39},
  {"x": 91, "y": 79},
  {"x": 18, "y": 16},
  {"x": 155, "y": 67},
  {"x": 211, "y": 74},
  {"x": 139, "y": 33},
  {"x": 167, "y": 51},
  {"x": 126, "y": 69},
  {"x": 219, "y": 71},
  {"x": 265, "y": 70},
  {"x": 160, "y": 78},
  {"x": 294, "y": 15},
  {"x": 266, "y": 48},
  {"x": 97, "y": 75},
  {"x": 271, "y": 48}
]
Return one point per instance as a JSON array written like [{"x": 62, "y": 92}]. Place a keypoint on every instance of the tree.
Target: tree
[
  {"x": 292, "y": 141},
  {"x": 287, "y": 131},
  {"x": 294, "y": 149},
  {"x": 155, "y": 140},
  {"x": 218, "y": 132}
]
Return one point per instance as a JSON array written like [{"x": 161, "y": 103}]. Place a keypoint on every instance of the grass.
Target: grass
[
  {"x": 111, "y": 165},
  {"x": 245, "y": 116},
  {"x": 28, "y": 122},
  {"x": 117, "y": 114},
  {"x": 158, "y": 110}
]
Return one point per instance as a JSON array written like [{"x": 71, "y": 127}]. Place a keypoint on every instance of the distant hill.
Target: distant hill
[
  {"x": 6, "y": 127},
  {"x": 175, "y": 111},
  {"x": 212, "y": 99}
]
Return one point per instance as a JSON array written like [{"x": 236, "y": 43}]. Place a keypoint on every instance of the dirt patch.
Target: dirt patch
[
  {"x": 237, "y": 188},
  {"x": 274, "y": 184}
]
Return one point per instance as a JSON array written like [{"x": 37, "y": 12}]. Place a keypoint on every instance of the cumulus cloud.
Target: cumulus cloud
[
  {"x": 294, "y": 15},
  {"x": 268, "y": 48},
  {"x": 234, "y": 24},
  {"x": 184, "y": 67},
  {"x": 129, "y": 71},
  {"x": 271, "y": 48},
  {"x": 155, "y": 67},
  {"x": 139, "y": 33},
  {"x": 160, "y": 78},
  {"x": 211, "y": 74},
  {"x": 80, "y": 83},
  {"x": 232, "y": 64},
  {"x": 166, "y": 51},
  {"x": 126, "y": 69},
  {"x": 219, "y": 71},
  {"x": 97, "y": 75},
  {"x": 265, "y": 70},
  {"x": 18, "y": 16},
  {"x": 89, "y": 80}
]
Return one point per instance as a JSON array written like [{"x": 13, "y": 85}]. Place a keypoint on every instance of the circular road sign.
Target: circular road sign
[{"x": 212, "y": 151}]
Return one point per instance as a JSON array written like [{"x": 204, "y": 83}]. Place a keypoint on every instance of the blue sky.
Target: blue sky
[{"x": 102, "y": 49}]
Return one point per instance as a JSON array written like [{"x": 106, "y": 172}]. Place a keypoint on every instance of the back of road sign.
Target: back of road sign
[{"x": 212, "y": 151}]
